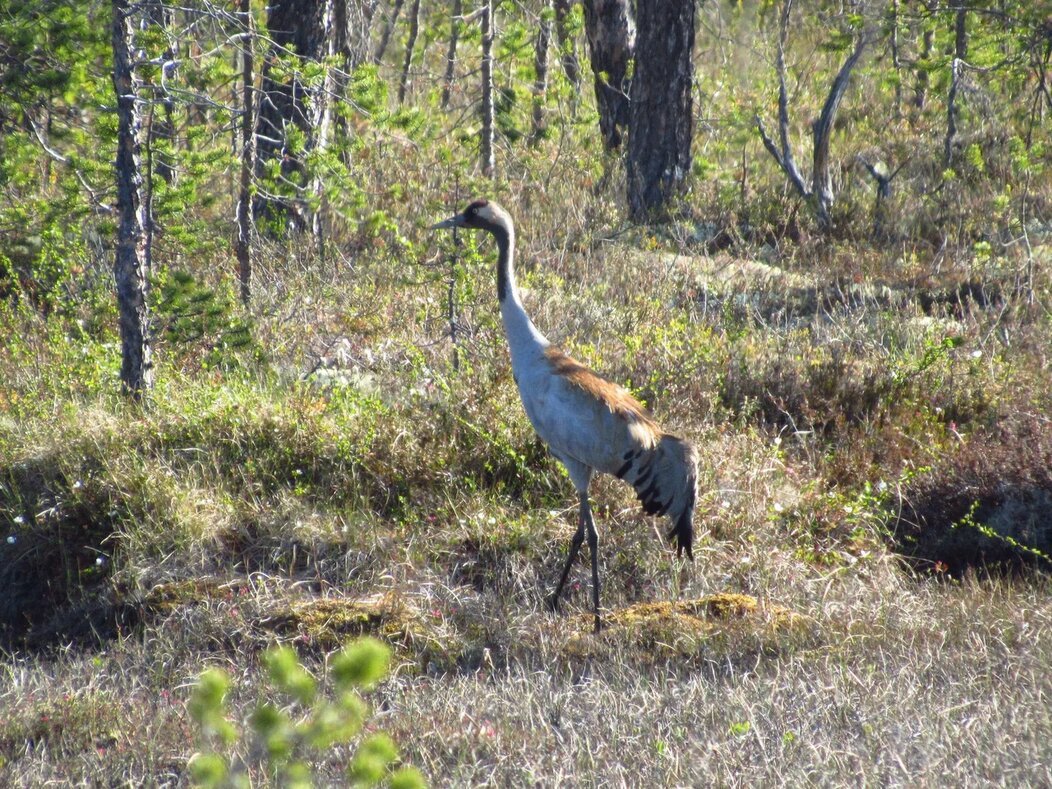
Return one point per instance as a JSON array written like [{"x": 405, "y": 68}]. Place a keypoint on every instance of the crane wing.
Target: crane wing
[{"x": 583, "y": 416}]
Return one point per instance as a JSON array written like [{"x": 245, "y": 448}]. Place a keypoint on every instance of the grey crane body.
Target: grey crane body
[{"x": 590, "y": 424}]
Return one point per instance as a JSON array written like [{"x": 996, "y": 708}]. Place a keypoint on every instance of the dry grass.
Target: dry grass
[
  {"x": 235, "y": 514},
  {"x": 906, "y": 683},
  {"x": 890, "y": 707},
  {"x": 242, "y": 511}
]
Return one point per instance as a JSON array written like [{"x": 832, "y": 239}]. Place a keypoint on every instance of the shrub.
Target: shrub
[{"x": 290, "y": 736}]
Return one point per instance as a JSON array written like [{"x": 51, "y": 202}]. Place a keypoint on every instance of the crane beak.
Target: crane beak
[{"x": 453, "y": 221}]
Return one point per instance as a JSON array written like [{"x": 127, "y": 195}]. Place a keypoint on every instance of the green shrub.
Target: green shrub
[{"x": 290, "y": 736}]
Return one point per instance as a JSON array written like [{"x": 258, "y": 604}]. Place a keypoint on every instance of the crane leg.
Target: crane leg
[
  {"x": 585, "y": 526},
  {"x": 593, "y": 546},
  {"x": 575, "y": 548}
]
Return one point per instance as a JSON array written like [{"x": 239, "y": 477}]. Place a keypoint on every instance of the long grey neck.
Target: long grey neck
[
  {"x": 505, "y": 264},
  {"x": 523, "y": 337}
]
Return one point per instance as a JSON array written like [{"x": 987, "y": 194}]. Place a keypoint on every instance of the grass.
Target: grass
[{"x": 243, "y": 509}]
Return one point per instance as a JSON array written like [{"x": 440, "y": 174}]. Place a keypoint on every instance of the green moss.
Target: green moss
[{"x": 168, "y": 597}]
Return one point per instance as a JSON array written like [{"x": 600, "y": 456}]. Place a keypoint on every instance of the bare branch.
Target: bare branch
[
  {"x": 768, "y": 143},
  {"x": 882, "y": 178},
  {"x": 99, "y": 206},
  {"x": 784, "y": 156},
  {"x": 823, "y": 129}
]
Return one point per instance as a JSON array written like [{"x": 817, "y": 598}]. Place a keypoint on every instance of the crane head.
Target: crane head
[{"x": 480, "y": 214}]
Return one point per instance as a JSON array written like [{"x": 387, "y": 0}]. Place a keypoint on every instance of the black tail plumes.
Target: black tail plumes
[
  {"x": 665, "y": 479},
  {"x": 683, "y": 531}
]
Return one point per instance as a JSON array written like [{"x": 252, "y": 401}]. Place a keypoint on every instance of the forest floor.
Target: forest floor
[{"x": 859, "y": 418}]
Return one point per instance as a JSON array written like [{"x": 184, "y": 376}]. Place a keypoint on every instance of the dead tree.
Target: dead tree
[
  {"x": 819, "y": 193},
  {"x": 130, "y": 267},
  {"x": 611, "y": 33}
]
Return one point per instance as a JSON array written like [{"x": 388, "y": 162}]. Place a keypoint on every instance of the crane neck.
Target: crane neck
[
  {"x": 521, "y": 333},
  {"x": 506, "y": 287}
]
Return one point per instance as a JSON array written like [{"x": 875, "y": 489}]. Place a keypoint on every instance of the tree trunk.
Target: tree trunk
[
  {"x": 410, "y": 45},
  {"x": 352, "y": 20},
  {"x": 540, "y": 69},
  {"x": 302, "y": 28},
  {"x": 197, "y": 106},
  {"x": 129, "y": 269},
  {"x": 248, "y": 155},
  {"x": 820, "y": 192},
  {"x": 822, "y": 130},
  {"x": 451, "y": 53},
  {"x": 486, "y": 156},
  {"x": 567, "y": 46},
  {"x": 385, "y": 38},
  {"x": 611, "y": 35},
  {"x": 158, "y": 14},
  {"x": 896, "y": 60},
  {"x": 662, "y": 123},
  {"x": 960, "y": 52},
  {"x": 920, "y": 88},
  {"x": 319, "y": 132}
]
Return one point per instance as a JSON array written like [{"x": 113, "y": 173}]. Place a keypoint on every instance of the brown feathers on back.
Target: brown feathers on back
[{"x": 616, "y": 398}]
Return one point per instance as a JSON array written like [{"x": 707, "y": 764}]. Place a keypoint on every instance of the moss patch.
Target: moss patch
[
  {"x": 330, "y": 621},
  {"x": 720, "y": 623},
  {"x": 167, "y": 597}
]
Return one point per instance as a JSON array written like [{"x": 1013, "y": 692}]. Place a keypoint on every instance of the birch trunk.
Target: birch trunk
[
  {"x": 486, "y": 156},
  {"x": 248, "y": 156}
]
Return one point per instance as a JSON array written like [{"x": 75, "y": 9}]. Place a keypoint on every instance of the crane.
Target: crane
[{"x": 589, "y": 423}]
